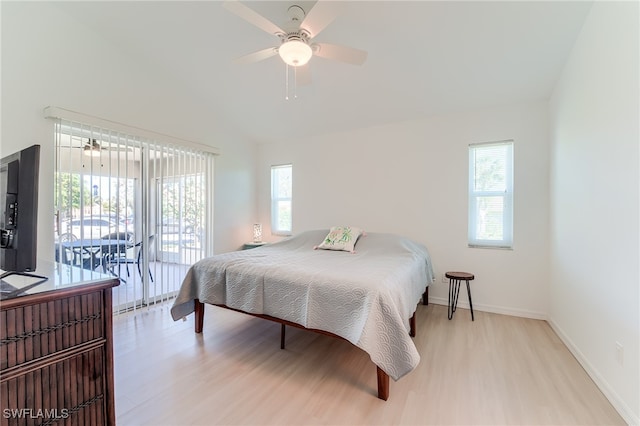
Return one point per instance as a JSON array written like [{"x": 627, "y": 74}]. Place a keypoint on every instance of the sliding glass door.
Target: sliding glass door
[{"x": 151, "y": 198}]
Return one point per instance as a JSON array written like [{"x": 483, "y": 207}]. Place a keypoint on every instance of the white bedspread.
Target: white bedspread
[{"x": 366, "y": 297}]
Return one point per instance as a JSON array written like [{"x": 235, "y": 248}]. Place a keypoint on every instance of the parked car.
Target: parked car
[
  {"x": 174, "y": 226},
  {"x": 174, "y": 232},
  {"x": 93, "y": 227},
  {"x": 128, "y": 222}
]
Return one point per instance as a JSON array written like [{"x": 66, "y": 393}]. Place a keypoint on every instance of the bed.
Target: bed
[{"x": 368, "y": 296}]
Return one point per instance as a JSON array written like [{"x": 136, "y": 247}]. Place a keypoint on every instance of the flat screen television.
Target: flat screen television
[{"x": 19, "y": 211}]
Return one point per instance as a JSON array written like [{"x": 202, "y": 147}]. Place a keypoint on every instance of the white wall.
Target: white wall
[
  {"x": 594, "y": 203},
  {"x": 411, "y": 178},
  {"x": 48, "y": 58}
]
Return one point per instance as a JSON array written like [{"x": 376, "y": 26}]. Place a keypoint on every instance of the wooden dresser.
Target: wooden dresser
[{"x": 56, "y": 348}]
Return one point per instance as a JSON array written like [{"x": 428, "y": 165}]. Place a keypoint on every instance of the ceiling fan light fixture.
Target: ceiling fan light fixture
[
  {"x": 295, "y": 52},
  {"x": 91, "y": 151}
]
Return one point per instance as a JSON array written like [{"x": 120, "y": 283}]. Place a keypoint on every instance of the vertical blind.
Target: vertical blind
[{"x": 134, "y": 207}]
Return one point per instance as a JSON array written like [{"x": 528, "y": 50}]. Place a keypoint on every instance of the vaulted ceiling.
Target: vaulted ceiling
[{"x": 424, "y": 58}]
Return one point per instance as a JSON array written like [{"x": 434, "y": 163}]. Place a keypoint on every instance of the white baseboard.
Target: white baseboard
[
  {"x": 492, "y": 309},
  {"x": 620, "y": 406}
]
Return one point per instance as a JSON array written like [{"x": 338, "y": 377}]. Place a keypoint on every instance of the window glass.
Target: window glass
[
  {"x": 491, "y": 194},
  {"x": 281, "y": 194}
]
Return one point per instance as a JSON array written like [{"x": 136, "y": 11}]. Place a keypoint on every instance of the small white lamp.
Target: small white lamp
[{"x": 257, "y": 232}]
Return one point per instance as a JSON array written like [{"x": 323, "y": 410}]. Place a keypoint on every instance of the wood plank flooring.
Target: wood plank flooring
[{"x": 495, "y": 370}]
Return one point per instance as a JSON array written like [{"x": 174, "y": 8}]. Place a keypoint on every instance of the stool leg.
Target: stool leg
[
  {"x": 449, "y": 303},
  {"x": 454, "y": 291},
  {"x": 455, "y": 300},
  {"x": 470, "y": 303}
]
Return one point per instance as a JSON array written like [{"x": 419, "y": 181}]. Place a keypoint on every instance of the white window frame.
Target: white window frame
[
  {"x": 276, "y": 198},
  {"x": 506, "y": 193}
]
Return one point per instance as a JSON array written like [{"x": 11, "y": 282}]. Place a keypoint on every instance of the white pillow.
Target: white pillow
[{"x": 341, "y": 238}]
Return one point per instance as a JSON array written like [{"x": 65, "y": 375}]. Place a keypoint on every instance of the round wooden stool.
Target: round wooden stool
[{"x": 454, "y": 289}]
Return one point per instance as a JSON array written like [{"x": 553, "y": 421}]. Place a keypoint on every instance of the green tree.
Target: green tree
[
  {"x": 190, "y": 208},
  {"x": 121, "y": 202},
  {"x": 70, "y": 193},
  {"x": 194, "y": 206}
]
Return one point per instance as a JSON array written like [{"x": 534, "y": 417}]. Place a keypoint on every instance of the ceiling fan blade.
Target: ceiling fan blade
[
  {"x": 100, "y": 149},
  {"x": 340, "y": 53},
  {"x": 320, "y": 15},
  {"x": 260, "y": 55},
  {"x": 252, "y": 17},
  {"x": 303, "y": 75}
]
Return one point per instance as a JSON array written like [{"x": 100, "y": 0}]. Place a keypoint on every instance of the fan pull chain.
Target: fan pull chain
[
  {"x": 295, "y": 82},
  {"x": 286, "y": 82}
]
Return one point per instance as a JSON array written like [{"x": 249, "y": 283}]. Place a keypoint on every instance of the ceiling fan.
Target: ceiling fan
[
  {"x": 93, "y": 148},
  {"x": 296, "y": 37}
]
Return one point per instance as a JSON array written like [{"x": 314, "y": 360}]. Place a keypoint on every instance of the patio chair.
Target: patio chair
[
  {"x": 110, "y": 257},
  {"x": 67, "y": 236},
  {"x": 141, "y": 250},
  {"x": 73, "y": 256},
  {"x": 69, "y": 256},
  {"x": 119, "y": 236}
]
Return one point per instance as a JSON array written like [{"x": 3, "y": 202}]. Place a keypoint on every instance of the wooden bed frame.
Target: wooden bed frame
[{"x": 383, "y": 378}]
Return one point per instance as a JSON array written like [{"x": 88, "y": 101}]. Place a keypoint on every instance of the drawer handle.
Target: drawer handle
[{"x": 46, "y": 330}]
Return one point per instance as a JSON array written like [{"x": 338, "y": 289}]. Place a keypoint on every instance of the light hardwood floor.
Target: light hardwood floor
[{"x": 495, "y": 370}]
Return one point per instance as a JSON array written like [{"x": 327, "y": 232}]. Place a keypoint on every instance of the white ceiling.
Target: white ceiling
[{"x": 425, "y": 58}]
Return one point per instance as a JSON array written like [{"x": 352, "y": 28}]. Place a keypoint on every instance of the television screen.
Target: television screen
[{"x": 19, "y": 210}]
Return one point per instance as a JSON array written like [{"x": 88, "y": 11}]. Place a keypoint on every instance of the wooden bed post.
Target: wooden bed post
[
  {"x": 383, "y": 384},
  {"x": 425, "y": 296},
  {"x": 412, "y": 325},
  {"x": 199, "y": 311}
]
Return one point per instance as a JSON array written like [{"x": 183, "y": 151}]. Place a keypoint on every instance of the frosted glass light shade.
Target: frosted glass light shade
[
  {"x": 295, "y": 53},
  {"x": 257, "y": 232}
]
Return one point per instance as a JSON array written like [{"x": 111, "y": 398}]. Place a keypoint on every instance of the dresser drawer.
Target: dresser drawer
[
  {"x": 70, "y": 391},
  {"x": 33, "y": 331}
]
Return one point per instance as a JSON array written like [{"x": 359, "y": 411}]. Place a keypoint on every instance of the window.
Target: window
[
  {"x": 281, "y": 178},
  {"x": 491, "y": 194}
]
